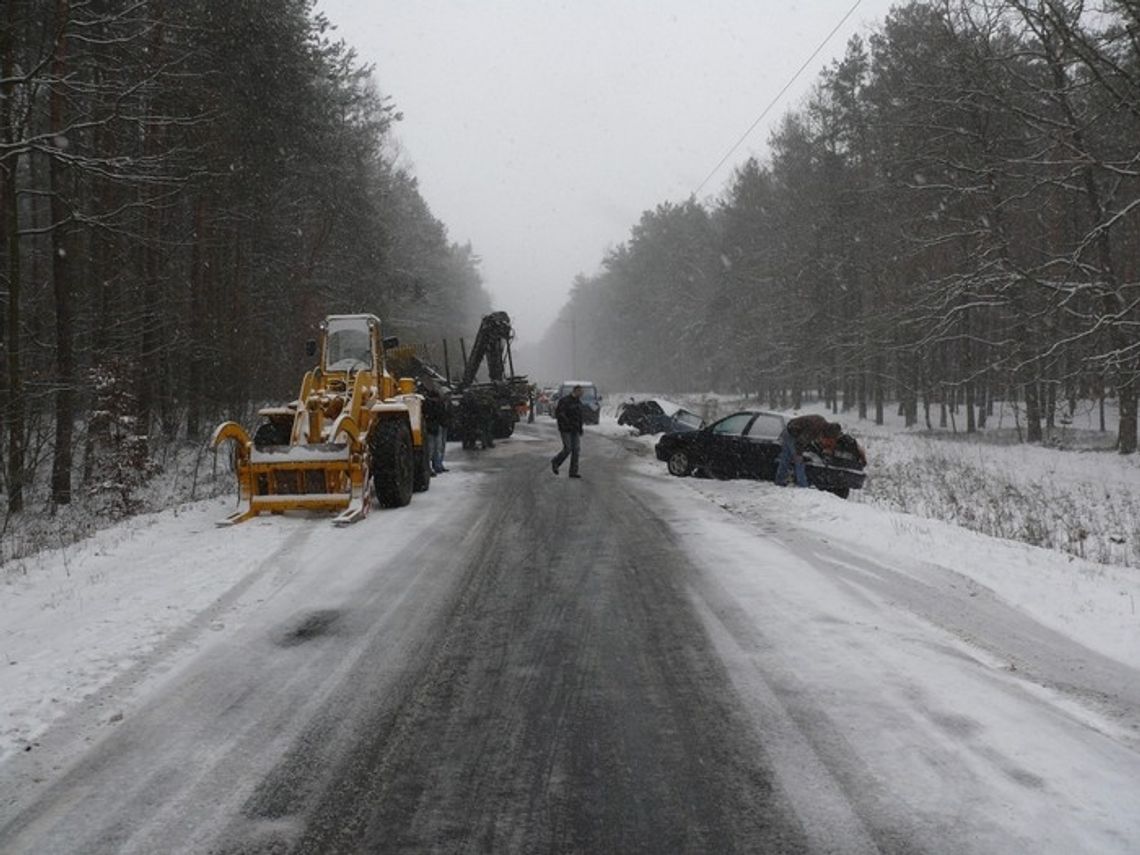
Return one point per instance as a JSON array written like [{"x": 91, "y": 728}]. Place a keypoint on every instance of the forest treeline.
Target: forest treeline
[
  {"x": 185, "y": 190},
  {"x": 952, "y": 218}
]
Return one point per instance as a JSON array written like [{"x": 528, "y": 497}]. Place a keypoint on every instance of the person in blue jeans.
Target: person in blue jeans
[
  {"x": 800, "y": 434},
  {"x": 437, "y": 416},
  {"x": 569, "y": 416}
]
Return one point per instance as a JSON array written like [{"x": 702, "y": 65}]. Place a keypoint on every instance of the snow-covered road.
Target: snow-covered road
[{"x": 516, "y": 663}]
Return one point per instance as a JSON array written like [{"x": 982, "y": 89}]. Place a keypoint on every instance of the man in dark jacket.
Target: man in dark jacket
[
  {"x": 798, "y": 436},
  {"x": 568, "y": 413},
  {"x": 437, "y": 417}
]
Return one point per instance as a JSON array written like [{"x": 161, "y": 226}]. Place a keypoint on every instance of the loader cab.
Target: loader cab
[{"x": 351, "y": 344}]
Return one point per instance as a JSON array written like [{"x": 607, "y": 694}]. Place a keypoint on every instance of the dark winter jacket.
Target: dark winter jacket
[
  {"x": 805, "y": 430},
  {"x": 437, "y": 411},
  {"x": 568, "y": 412}
]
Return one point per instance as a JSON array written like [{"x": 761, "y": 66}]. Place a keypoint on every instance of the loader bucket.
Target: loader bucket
[{"x": 328, "y": 476}]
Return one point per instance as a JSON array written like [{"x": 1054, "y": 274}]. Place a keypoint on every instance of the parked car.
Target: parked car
[
  {"x": 652, "y": 415},
  {"x": 591, "y": 400},
  {"x": 746, "y": 444}
]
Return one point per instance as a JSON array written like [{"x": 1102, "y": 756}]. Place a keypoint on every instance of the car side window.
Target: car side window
[
  {"x": 732, "y": 425},
  {"x": 766, "y": 427}
]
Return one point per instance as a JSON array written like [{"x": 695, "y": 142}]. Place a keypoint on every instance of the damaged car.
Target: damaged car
[
  {"x": 746, "y": 444},
  {"x": 653, "y": 415}
]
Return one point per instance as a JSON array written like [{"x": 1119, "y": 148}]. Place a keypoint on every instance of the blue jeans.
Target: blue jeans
[
  {"x": 790, "y": 457},
  {"x": 437, "y": 444},
  {"x": 571, "y": 445}
]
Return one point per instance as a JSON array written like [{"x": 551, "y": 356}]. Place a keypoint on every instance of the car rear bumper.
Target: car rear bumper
[{"x": 829, "y": 477}]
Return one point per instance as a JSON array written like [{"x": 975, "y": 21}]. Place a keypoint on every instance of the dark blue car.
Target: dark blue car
[{"x": 747, "y": 445}]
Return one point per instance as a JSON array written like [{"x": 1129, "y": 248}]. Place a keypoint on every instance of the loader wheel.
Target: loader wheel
[
  {"x": 422, "y": 479},
  {"x": 393, "y": 468}
]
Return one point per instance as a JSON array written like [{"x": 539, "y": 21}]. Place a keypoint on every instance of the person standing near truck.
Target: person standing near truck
[
  {"x": 568, "y": 413},
  {"x": 437, "y": 416}
]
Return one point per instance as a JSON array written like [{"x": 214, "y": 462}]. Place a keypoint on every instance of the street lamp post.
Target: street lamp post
[{"x": 573, "y": 348}]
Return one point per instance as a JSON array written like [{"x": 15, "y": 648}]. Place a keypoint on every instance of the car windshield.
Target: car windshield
[{"x": 349, "y": 345}]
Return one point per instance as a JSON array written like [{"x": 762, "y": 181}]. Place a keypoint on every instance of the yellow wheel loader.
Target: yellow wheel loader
[{"x": 353, "y": 430}]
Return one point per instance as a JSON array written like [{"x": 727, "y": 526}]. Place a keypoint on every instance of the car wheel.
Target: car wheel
[{"x": 679, "y": 464}]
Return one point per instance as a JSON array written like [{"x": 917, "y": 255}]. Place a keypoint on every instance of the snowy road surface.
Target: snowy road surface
[{"x": 518, "y": 663}]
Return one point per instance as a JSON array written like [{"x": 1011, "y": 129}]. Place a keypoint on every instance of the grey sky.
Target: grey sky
[{"x": 540, "y": 131}]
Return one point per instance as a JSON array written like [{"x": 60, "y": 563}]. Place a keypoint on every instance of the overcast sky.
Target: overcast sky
[{"x": 540, "y": 131}]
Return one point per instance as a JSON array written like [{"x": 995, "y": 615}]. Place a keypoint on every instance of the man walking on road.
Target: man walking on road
[{"x": 569, "y": 416}]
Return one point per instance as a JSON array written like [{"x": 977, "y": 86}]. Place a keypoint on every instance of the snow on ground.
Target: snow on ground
[
  {"x": 862, "y": 698},
  {"x": 1096, "y": 603},
  {"x": 1074, "y": 493},
  {"x": 74, "y": 619},
  {"x": 804, "y": 605}
]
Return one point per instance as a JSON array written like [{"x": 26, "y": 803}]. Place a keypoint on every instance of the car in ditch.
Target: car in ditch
[
  {"x": 746, "y": 444},
  {"x": 656, "y": 415}
]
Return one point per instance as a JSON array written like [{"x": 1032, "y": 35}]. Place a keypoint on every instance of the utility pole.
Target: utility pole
[{"x": 574, "y": 348}]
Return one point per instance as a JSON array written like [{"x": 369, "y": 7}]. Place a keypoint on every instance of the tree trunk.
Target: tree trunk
[
  {"x": 197, "y": 374},
  {"x": 1126, "y": 437},
  {"x": 878, "y": 392},
  {"x": 15, "y": 412},
  {"x": 61, "y": 283},
  {"x": 1032, "y": 412},
  {"x": 10, "y": 204}
]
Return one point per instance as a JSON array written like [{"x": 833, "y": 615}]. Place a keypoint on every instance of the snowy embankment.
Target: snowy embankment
[
  {"x": 914, "y": 480},
  {"x": 1077, "y": 496}
]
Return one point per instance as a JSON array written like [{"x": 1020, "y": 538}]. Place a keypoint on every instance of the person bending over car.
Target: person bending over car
[{"x": 800, "y": 434}]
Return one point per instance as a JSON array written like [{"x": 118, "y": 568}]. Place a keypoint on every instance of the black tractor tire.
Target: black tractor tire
[
  {"x": 393, "y": 465},
  {"x": 680, "y": 464},
  {"x": 422, "y": 480}
]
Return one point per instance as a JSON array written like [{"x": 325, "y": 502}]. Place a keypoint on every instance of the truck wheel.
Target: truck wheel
[
  {"x": 392, "y": 464},
  {"x": 679, "y": 464},
  {"x": 422, "y": 480}
]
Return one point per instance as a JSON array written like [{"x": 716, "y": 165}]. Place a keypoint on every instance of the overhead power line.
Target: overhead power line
[{"x": 779, "y": 95}]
